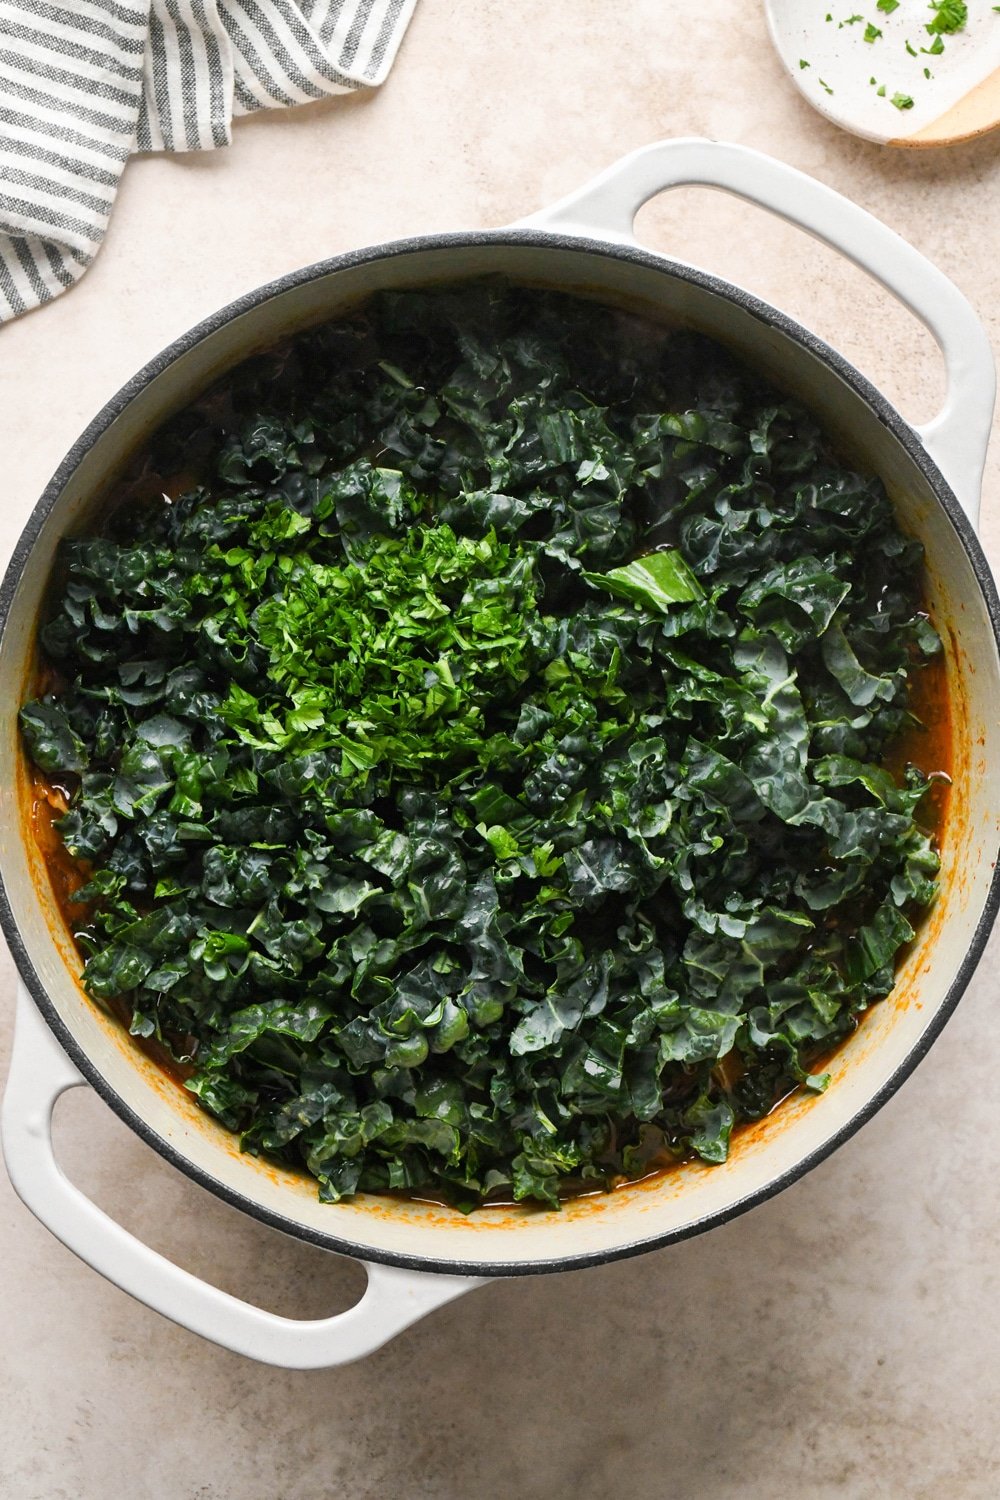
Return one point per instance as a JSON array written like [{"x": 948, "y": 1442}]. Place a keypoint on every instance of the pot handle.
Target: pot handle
[
  {"x": 40, "y": 1072},
  {"x": 606, "y": 207}
]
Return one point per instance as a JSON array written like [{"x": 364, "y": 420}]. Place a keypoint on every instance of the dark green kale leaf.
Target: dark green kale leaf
[{"x": 480, "y": 775}]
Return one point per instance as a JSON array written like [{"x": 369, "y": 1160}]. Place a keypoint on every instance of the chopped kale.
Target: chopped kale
[{"x": 480, "y": 774}]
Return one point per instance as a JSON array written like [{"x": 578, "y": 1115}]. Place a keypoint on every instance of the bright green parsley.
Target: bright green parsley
[
  {"x": 902, "y": 101},
  {"x": 872, "y": 33},
  {"x": 950, "y": 16}
]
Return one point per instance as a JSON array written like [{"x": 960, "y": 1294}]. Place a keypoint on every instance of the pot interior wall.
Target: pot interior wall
[{"x": 494, "y": 1239}]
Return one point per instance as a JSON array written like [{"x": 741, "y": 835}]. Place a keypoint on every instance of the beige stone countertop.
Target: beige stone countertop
[{"x": 842, "y": 1340}]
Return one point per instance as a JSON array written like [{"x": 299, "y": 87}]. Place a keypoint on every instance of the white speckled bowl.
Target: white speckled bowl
[
  {"x": 826, "y": 56},
  {"x": 418, "y": 1255}
]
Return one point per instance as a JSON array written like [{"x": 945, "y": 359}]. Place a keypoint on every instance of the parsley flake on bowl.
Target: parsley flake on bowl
[{"x": 480, "y": 769}]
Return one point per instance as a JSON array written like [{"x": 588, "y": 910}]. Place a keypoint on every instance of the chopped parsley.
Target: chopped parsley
[{"x": 950, "y": 16}]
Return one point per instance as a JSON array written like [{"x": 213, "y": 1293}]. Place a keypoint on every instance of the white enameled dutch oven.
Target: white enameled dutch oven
[{"x": 419, "y": 1256}]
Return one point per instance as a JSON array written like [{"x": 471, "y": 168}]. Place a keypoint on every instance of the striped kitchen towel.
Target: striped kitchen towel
[{"x": 85, "y": 83}]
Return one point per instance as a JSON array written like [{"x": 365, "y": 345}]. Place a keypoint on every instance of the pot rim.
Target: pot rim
[{"x": 764, "y": 313}]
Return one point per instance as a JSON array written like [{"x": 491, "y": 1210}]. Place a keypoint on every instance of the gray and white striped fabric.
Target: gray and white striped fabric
[{"x": 83, "y": 84}]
